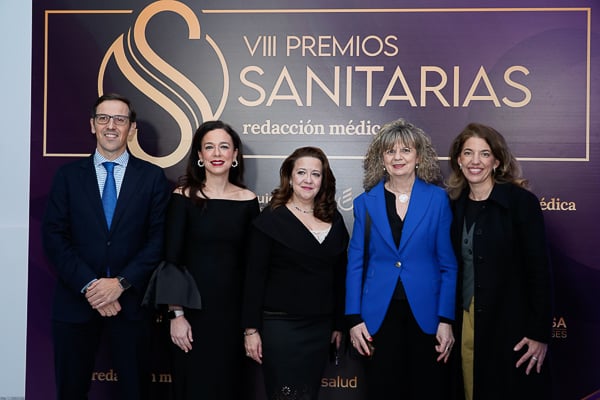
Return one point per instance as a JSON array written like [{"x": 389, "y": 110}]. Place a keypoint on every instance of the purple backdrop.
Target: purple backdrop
[{"x": 287, "y": 77}]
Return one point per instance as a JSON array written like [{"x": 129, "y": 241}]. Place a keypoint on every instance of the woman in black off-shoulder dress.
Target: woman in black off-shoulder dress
[
  {"x": 207, "y": 222},
  {"x": 293, "y": 308}
]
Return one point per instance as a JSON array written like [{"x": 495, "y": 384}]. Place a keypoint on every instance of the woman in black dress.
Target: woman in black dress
[
  {"x": 207, "y": 223},
  {"x": 294, "y": 290}
]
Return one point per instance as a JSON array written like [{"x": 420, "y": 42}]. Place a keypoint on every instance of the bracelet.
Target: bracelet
[
  {"x": 250, "y": 333},
  {"x": 172, "y": 314}
]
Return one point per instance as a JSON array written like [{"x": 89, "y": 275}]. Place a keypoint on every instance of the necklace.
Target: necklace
[
  {"x": 303, "y": 211},
  {"x": 485, "y": 195},
  {"x": 402, "y": 196}
]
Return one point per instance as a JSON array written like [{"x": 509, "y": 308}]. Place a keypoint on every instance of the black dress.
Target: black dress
[
  {"x": 294, "y": 295},
  {"x": 210, "y": 241}
]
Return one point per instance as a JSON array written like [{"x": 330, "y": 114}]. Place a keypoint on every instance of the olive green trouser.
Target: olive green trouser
[{"x": 467, "y": 349}]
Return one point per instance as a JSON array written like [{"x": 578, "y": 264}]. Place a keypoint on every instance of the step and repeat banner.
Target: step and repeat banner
[{"x": 329, "y": 74}]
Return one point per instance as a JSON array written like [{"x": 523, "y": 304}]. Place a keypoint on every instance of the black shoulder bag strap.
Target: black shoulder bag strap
[{"x": 366, "y": 246}]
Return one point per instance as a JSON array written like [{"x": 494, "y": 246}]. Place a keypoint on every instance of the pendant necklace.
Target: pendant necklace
[{"x": 402, "y": 196}]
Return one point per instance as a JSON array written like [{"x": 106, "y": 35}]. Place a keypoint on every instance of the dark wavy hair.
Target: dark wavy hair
[
  {"x": 115, "y": 96},
  {"x": 195, "y": 177},
  {"x": 325, "y": 203},
  {"x": 508, "y": 170}
]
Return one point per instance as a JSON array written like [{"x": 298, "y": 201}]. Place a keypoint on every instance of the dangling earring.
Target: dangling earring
[
  {"x": 460, "y": 167},
  {"x": 234, "y": 164},
  {"x": 201, "y": 163},
  {"x": 494, "y": 171}
]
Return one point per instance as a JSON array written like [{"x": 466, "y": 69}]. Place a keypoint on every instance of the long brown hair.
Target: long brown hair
[
  {"x": 508, "y": 170},
  {"x": 325, "y": 204}
]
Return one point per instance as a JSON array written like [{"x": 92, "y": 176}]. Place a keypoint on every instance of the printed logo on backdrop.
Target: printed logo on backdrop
[
  {"x": 162, "y": 83},
  {"x": 559, "y": 327},
  {"x": 331, "y": 84}
]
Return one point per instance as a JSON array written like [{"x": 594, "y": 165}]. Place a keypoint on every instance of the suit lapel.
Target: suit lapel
[
  {"x": 417, "y": 210},
  {"x": 377, "y": 210},
  {"x": 89, "y": 185},
  {"x": 129, "y": 187},
  {"x": 459, "y": 213}
]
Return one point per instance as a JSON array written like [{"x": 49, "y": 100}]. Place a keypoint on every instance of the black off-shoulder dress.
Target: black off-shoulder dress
[{"x": 210, "y": 240}]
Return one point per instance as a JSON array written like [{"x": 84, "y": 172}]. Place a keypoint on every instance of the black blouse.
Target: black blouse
[{"x": 289, "y": 271}]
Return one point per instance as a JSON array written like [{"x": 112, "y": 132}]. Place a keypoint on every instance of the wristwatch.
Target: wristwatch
[
  {"x": 172, "y": 314},
  {"x": 124, "y": 283}
]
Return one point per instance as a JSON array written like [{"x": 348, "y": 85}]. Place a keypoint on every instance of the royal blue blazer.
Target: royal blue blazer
[{"x": 425, "y": 260}]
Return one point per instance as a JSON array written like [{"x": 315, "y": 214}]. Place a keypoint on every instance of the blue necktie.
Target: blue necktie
[{"x": 109, "y": 194}]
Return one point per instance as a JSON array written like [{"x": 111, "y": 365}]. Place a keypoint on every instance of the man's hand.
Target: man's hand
[
  {"x": 103, "y": 292},
  {"x": 110, "y": 310}
]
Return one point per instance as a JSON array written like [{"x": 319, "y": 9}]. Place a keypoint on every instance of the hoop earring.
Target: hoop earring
[
  {"x": 234, "y": 163},
  {"x": 201, "y": 163}
]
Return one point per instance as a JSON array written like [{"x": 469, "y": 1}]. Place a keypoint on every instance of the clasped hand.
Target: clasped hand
[{"x": 103, "y": 296}]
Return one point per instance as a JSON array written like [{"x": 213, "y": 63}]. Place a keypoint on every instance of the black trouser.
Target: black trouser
[
  {"x": 404, "y": 364},
  {"x": 76, "y": 346}
]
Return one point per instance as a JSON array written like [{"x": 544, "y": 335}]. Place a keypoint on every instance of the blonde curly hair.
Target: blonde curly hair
[{"x": 400, "y": 131}]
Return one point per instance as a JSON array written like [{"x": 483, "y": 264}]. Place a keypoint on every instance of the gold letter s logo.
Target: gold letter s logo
[{"x": 154, "y": 87}]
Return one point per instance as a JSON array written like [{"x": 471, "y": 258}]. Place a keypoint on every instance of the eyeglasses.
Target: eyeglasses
[{"x": 103, "y": 119}]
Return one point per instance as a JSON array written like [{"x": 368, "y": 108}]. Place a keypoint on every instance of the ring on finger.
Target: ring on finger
[{"x": 534, "y": 358}]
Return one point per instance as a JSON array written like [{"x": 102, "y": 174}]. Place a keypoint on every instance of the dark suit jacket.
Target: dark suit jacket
[
  {"x": 81, "y": 247},
  {"x": 425, "y": 260}
]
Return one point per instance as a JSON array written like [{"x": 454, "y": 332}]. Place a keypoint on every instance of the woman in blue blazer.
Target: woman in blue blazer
[{"x": 403, "y": 304}]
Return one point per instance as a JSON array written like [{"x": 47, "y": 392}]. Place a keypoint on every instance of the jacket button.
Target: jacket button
[{"x": 398, "y": 264}]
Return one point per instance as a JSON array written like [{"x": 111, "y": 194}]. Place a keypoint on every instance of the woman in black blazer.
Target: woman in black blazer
[
  {"x": 294, "y": 290},
  {"x": 504, "y": 283}
]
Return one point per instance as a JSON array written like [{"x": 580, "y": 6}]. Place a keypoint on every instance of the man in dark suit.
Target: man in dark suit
[{"x": 104, "y": 255}]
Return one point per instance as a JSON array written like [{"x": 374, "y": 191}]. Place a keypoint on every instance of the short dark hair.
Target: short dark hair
[{"x": 115, "y": 96}]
